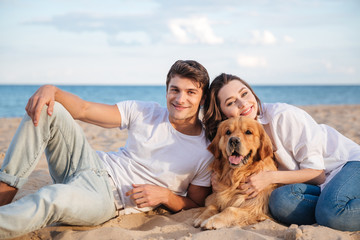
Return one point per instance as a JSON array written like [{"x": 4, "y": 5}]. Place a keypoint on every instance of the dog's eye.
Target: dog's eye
[
  {"x": 248, "y": 132},
  {"x": 228, "y": 132}
]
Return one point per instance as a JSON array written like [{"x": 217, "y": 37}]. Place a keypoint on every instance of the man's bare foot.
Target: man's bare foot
[{"x": 7, "y": 193}]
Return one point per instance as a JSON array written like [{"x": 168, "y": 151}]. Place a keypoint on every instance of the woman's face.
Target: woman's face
[{"x": 237, "y": 100}]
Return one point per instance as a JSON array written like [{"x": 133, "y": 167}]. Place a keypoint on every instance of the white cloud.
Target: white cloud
[
  {"x": 338, "y": 69},
  {"x": 328, "y": 65},
  {"x": 288, "y": 39},
  {"x": 263, "y": 38},
  {"x": 251, "y": 61},
  {"x": 130, "y": 38},
  {"x": 193, "y": 30}
]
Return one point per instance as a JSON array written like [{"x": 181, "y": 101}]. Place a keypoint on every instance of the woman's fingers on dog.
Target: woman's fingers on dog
[
  {"x": 245, "y": 189},
  {"x": 252, "y": 195},
  {"x": 248, "y": 189},
  {"x": 244, "y": 186}
]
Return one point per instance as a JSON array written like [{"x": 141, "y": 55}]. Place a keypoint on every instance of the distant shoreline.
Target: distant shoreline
[{"x": 13, "y": 98}]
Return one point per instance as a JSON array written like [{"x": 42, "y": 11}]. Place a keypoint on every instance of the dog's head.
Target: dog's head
[{"x": 239, "y": 142}]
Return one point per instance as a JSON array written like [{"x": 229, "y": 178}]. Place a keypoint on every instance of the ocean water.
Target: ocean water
[{"x": 13, "y": 98}]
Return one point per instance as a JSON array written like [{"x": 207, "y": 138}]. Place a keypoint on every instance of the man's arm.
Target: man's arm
[
  {"x": 103, "y": 115},
  {"x": 146, "y": 195},
  {"x": 195, "y": 197}
]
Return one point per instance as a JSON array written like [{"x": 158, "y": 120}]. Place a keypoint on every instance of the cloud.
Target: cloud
[
  {"x": 193, "y": 30},
  {"x": 267, "y": 38},
  {"x": 82, "y": 22},
  {"x": 251, "y": 61},
  {"x": 348, "y": 70},
  {"x": 288, "y": 39},
  {"x": 123, "y": 29},
  {"x": 262, "y": 38},
  {"x": 130, "y": 38},
  {"x": 137, "y": 29}
]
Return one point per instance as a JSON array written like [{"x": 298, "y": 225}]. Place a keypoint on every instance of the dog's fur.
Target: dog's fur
[{"x": 241, "y": 148}]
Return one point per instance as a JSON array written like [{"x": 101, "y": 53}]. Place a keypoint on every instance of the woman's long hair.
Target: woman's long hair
[{"x": 212, "y": 112}]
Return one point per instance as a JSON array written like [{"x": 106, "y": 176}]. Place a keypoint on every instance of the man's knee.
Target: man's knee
[
  {"x": 59, "y": 109},
  {"x": 59, "y": 114}
]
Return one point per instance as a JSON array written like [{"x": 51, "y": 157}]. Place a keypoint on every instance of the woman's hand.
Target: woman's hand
[{"x": 256, "y": 183}]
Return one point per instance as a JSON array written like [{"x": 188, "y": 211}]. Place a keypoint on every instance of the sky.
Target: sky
[{"x": 126, "y": 42}]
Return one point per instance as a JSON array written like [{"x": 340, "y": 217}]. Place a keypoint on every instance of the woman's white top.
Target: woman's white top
[{"x": 299, "y": 142}]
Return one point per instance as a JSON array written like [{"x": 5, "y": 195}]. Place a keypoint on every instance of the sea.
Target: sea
[{"x": 13, "y": 98}]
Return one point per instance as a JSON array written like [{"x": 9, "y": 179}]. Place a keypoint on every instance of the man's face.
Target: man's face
[{"x": 183, "y": 99}]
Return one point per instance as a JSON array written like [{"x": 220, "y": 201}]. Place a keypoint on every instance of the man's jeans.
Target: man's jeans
[
  {"x": 337, "y": 206},
  {"x": 82, "y": 192}
]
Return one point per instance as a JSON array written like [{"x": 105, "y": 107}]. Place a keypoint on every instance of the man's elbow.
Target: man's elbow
[{"x": 198, "y": 195}]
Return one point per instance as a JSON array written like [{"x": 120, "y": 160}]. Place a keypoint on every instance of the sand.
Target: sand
[{"x": 161, "y": 224}]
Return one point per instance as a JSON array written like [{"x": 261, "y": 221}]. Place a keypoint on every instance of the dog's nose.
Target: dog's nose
[{"x": 234, "y": 141}]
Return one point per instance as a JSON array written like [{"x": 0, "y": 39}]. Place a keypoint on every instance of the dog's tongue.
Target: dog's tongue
[{"x": 235, "y": 159}]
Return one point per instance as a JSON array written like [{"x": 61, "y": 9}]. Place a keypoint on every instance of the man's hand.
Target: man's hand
[
  {"x": 146, "y": 195},
  {"x": 44, "y": 95}
]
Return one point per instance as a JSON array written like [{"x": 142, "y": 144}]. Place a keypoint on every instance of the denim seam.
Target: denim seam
[
  {"x": 337, "y": 194},
  {"x": 293, "y": 192},
  {"x": 44, "y": 140},
  {"x": 72, "y": 169}
]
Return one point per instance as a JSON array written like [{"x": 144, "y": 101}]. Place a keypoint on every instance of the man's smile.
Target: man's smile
[{"x": 179, "y": 107}]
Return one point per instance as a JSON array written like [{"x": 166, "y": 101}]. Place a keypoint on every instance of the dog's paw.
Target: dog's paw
[
  {"x": 198, "y": 221},
  {"x": 214, "y": 222}
]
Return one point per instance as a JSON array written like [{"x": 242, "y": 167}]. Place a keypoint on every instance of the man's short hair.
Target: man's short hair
[{"x": 192, "y": 70}]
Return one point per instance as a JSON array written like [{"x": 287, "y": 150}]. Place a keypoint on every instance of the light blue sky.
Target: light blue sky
[{"x": 136, "y": 42}]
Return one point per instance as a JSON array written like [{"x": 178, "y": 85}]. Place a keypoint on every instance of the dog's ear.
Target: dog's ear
[
  {"x": 216, "y": 166},
  {"x": 265, "y": 149},
  {"x": 214, "y": 147}
]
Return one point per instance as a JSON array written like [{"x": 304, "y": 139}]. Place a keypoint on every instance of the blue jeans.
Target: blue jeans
[
  {"x": 82, "y": 192},
  {"x": 337, "y": 206}
]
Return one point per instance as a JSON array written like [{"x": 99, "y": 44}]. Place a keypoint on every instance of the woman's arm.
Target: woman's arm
[
  {"x": 257, "y": 182},
  {"x": 310, "y": 176}
]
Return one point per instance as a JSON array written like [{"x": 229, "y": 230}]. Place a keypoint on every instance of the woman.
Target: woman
[{"x": 319, "y": 167}]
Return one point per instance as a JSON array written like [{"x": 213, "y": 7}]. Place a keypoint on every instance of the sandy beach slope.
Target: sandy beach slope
[{"x": 162, "y": 225}]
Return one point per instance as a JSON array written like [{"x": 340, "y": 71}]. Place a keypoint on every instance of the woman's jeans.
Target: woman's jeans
[
  {"x": 337, "y": 206},
  {"x": 82, "y": 192}
]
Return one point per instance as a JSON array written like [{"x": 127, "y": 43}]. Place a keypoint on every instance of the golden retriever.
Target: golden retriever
[{"x": 241, "y": 148}]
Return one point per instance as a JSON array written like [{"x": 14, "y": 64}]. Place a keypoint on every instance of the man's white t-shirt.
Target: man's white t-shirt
[
  {"x": 299, "y": 142},
  {"x": 155, "y": 153}
]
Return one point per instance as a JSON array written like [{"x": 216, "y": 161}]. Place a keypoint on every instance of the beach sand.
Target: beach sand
[{"x": 163, "y": 225}]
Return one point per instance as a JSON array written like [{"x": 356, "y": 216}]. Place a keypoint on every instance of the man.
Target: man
[{"x": 163, "y": 162}]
